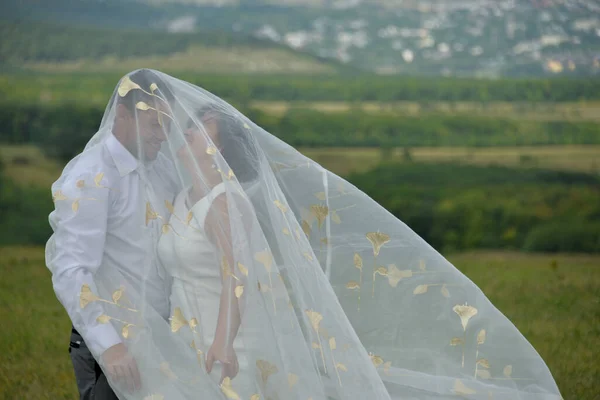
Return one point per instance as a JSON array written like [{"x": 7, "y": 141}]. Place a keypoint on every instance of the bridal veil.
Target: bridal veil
[{"x": 336, "y": 297}]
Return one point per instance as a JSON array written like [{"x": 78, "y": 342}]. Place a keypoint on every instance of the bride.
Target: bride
[
  {"x": 284, "y": 280},
  {"x": 191, "y": 254}
]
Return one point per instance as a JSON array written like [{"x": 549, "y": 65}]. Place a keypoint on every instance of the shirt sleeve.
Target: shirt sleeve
[{"x": 74, "y": 254}]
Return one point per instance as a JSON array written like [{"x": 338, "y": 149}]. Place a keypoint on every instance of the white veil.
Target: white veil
[{"x": 329, "y": 295}]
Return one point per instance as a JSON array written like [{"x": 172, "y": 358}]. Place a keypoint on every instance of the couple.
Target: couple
[{"x": 200, "y": 257}]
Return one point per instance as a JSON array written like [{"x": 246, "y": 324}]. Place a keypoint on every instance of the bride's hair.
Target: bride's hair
[{"x": 238, "y": 147}]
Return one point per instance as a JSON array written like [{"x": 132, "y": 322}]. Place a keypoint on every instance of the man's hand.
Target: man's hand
[
  {"x": 121, "y": 367},
  {"x": 226, "y": 355}
]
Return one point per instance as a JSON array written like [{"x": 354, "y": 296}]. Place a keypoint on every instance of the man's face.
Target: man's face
[{"x": 153, "y": 126}]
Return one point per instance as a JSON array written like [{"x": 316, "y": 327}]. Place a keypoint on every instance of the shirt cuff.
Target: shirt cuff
[{"x": 100, "y": 338}]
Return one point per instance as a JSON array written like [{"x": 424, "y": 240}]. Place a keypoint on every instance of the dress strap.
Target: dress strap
[{"x": 215, "y": 191}]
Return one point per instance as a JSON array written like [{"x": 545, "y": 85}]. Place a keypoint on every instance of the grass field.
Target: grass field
[
  {"x": 92, "y": 82},
  {"x": 27, "y": 165},
  {"x": 198, "y": 59},
  {"x": 39, "y": 170},
  {"x": 554, "y": 300},
  {"x": 343, "y": 161},
  {"x": 575, "y": 111}
]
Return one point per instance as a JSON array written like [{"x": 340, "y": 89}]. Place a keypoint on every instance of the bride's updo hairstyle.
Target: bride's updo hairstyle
[{"x": 238, "y": 148}]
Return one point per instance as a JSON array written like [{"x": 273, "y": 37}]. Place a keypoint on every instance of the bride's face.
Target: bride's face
[{"x": 201, "y": 142}]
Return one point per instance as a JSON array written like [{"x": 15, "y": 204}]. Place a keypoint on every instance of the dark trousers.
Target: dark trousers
[{"x": 91, "y": 382}]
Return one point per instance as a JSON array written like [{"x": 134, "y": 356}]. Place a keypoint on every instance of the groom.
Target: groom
[{"x": 102, "y": 232}]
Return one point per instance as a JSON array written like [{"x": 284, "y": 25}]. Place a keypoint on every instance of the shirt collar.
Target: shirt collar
[{"x": 123, "y": 159}]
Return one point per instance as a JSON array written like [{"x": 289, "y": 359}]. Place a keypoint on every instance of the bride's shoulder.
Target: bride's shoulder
[{"x": 215, "y": 198}]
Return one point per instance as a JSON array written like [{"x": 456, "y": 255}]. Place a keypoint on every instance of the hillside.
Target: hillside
[
  {"x": 429, "y": 37},
  {"x": 448, "y": 37},
  {"x": 59, "y": 47}
]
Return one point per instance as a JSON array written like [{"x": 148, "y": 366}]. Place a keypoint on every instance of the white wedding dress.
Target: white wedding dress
[{"x": 192, "y": 261}]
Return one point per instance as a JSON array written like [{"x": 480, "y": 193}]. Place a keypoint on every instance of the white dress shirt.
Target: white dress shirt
[{"x": 100, "y": 223}]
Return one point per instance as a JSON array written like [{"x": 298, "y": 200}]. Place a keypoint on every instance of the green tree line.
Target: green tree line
[
  {"x": 27, "y": 87},
  {"x": 355, "y": 88},
  {"x": 453, "y": 207},
  {"x": 42, "y": 41},
  {"x": 63, "y": 130},
  {"x": 301, "y": 127},
  {"x": 458, "y": 207}
]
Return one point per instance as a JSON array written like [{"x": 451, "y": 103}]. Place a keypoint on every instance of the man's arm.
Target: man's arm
[{"x": 75, "y": 253}]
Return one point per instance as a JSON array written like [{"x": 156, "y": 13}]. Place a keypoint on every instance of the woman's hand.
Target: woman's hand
[{"x": 226, "y": 355}]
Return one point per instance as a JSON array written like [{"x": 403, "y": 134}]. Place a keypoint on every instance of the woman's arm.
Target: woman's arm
[{"x": 218, "y": 228}]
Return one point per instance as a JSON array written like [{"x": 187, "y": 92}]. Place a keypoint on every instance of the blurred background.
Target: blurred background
[{"x": 476, "y": 122}]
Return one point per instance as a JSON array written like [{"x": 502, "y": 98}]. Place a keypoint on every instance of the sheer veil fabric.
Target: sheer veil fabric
[{"x": 264, "y": 257}]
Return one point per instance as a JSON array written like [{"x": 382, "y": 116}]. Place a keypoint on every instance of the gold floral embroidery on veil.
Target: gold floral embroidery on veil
[
  {"x": 86, "y": 296},
  {"x": 465, "y": 312},
  {"x": 127, "y": 85},
  {"x": 80, "y": 184},
  {"x": 377, "y": 239},
  {"x": 227, "y": 389},
  {"x": 166, "y": 227},
  {"x": 178, "y": 321},
  {"x": 266, "y": 259}
]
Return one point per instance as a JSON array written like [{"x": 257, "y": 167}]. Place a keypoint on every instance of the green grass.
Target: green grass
[
  {"x": 28, "y": 166},
  {"x": 35, "y": 363},
  {"x": 554, "y": 300},
  {"x": 42, "y": 171}
]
